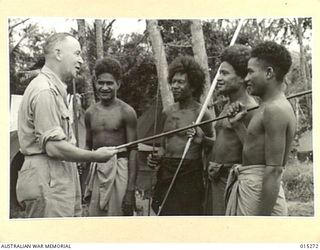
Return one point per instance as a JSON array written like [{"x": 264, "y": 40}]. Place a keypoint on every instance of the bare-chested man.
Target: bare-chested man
[
  {"x": 255, "y": 187},
  {"x": 186, "y": 79},
  {"x": 109, "y": 122},
  {"x": 227, "y": 149}
]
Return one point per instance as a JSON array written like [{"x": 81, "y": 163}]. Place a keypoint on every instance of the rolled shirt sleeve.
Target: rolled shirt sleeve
[{"x": 47, "y": 118}]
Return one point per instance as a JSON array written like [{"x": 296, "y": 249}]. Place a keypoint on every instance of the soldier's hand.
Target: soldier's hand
[
  {"x": 153, "y": 160},
  {"x": 103, "y": 154},
  {"x": 236, "y": 111},
  {"x": 129, "y": 203}
]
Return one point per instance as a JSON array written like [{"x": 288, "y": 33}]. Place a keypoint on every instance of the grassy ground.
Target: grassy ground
[
  {"x": 297, "y": 208},
  {"x": 298, "y": 186}
]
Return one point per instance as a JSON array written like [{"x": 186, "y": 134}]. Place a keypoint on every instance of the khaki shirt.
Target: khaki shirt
[{"x": 43, "y": 114}]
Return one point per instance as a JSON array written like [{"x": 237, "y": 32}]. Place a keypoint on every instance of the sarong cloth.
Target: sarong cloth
[
  {"x": 243, "y": 192},
  {"x": 106, "y": 186}
]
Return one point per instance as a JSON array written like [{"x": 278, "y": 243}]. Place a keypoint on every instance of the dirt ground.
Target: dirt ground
[{"x": 297, "y": 208}]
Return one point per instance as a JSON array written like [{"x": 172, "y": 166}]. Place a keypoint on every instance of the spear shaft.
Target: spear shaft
[{"x": 198, "y": 124}]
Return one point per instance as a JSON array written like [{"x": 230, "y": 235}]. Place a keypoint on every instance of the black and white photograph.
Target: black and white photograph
[{"x": 160, "y": 117}]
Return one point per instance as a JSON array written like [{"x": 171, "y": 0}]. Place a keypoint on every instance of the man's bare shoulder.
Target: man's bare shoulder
[
  {"x": 170, "y": 109},
  {"x": 278, "y": 110},
  {"x": 127, "y": 111},
  {"x": 92, "y": 108},
  {"x": 278, "y": 105},
  {"x": 126, "y": 107},
  {"x": 207, "y": 115}
]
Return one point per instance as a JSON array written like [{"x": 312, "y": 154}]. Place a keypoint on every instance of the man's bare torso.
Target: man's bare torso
[
  {"x": 228, "y": 147},
  {"x": 254, "y": 151},
  {"x": 177, "y": 118},
  {"x": 108, "y": 124}
]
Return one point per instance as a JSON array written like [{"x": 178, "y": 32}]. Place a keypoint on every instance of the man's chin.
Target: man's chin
[
  {"x": 222, "y": 92},
  {"x": 253, "y": 92},
  {"x": 105, "y": 98},
  {"x": 176, "y": 98}
]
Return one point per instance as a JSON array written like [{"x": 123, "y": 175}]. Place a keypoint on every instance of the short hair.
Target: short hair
[
  {"x": 108, "y": 65},
  {"x": 53, "y": 40},
  {"x": 238, "y": 56},
  {"x": 274, "y": 55},
  {"x": 187, "y": 65}
]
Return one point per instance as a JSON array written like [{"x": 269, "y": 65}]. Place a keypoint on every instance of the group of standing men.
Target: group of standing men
[{"x": 247, "y": 157}]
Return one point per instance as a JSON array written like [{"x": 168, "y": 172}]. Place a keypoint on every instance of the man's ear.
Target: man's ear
[
  {"x": 241, "y": 80},
  {"x": 269, "y": 73},
  {"x": 58, "y": 55},
  {"x": 119, "y": 83}
]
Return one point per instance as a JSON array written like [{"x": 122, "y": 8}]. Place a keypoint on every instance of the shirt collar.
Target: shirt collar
[
  {"x": 47, "y": 71},
  {"x": 55, "y": 80}
]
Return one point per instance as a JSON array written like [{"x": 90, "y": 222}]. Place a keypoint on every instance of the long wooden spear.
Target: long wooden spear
[{"x": 150, "y": 138}]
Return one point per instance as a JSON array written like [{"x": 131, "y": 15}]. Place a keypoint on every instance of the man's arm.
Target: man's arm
[
  {"x": 87, "y": 122},
  {"x": 128, "y": 202},
  {"x": 275, "y": 126},
  {"x": 236, "y": 113},
  {"x": 154, "y": 159},
  {"x": 208, "y": 139},
  {"x": 89, "y": 143},
  {"x": 131, "y": 132},
  {"x": 62, "y": 150},
  {"x": 52, "y": 138}
]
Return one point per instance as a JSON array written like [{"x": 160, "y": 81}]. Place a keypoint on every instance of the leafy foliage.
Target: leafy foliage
[
  {"x": 24, "y": 50},
  {"x": 298, "y": 181},
  {"x": 134, "y": 52}
]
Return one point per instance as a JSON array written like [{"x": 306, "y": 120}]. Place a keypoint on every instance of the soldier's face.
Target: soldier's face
[
  {"x": 70, "y": 54},
  {"x": 180, "y": 87}
]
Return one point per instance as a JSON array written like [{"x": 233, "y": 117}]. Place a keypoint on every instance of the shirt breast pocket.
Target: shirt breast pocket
[{"x": 66, "y": 124}]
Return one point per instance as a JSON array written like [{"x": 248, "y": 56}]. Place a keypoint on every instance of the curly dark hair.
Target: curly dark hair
[
  {"x": 108, "y": 65},
  {"x": 274, "y": 55},
  {"x": 238, "y": 56},
  {"x": 187, "y": 65}
]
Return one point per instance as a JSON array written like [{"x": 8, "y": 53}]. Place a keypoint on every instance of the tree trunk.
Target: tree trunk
[
  {"x": 303, "y": 63},
  {"x": 256, "y": 26},
  {"x": 161, "y": 62},
  {"x": 88, "y": 88},
  {"x": 297, "y": 114},
  {"x": 200, "y": 55},
  {"x": 99, "y": 38}
]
